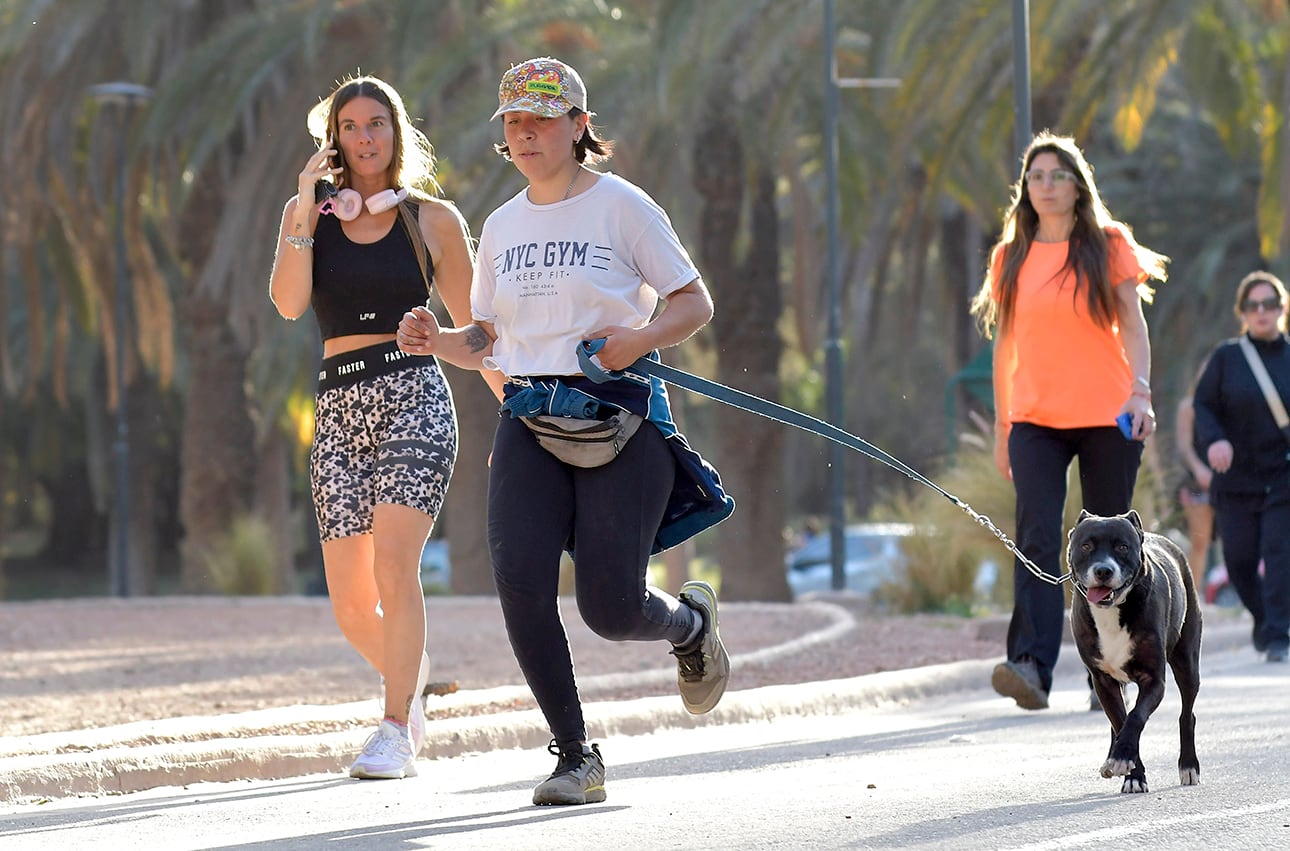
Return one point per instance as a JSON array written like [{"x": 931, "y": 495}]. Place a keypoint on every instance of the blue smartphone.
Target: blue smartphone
[{"x": 1125, "y": 422}]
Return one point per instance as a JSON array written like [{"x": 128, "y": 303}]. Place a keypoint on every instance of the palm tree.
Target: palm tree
[{"x": 924, "y": 172}]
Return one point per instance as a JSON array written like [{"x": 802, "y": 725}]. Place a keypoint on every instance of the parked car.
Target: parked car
[
  {"x": 436, "y": 569},
  {"x": 873, "y": 555}
]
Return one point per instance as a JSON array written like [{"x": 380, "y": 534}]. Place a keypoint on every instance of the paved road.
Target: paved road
[{"x": 960, "y": 770}]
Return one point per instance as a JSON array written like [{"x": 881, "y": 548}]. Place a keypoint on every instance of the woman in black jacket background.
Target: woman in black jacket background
[{"x": 1250, "y": 455}]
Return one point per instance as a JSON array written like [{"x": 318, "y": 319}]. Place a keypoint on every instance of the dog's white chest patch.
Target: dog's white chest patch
[{"x": 1113, "y": 642}]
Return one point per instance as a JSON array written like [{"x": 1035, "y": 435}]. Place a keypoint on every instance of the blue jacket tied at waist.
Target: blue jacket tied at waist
[{"x": 697, "y": 501}]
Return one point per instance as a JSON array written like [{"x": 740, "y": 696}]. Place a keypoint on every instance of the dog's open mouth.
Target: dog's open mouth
[{"x": 1099, "y": 595}]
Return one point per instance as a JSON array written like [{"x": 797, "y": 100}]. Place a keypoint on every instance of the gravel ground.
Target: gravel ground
[{"x": 76, "y": 664}]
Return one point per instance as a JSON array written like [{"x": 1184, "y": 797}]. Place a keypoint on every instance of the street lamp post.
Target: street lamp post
[
  {"x": 1021, "y": 74},
  {"x": 124, "y": 96},
  {"x": 833, "y": 346}
]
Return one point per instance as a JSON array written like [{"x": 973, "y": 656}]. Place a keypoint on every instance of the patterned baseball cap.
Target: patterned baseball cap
[{"x": 543, "y": 86}]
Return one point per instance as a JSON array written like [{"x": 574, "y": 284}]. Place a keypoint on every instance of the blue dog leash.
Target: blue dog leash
[{"x": 788, "y": 416}]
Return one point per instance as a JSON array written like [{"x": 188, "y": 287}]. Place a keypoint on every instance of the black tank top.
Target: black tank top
[{"x": 364, "y": 288}]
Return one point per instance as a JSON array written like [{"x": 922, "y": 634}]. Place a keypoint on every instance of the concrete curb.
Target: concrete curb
[
  {"x": 286, "y": 742},
  {"x": 184, "y": 753}
]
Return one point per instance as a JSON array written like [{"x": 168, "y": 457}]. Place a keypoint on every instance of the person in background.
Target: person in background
[
  {"x": 1193, "y": 494},
  {"x": 385, "y": 436},
  {"x": 582, "y": 255},
  {"x": 1238, "y": 435},
  {"x": 1065, "y": 277}
]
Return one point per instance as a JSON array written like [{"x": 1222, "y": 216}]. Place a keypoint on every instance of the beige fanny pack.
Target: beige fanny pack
[{"x": 584, "y": 443}]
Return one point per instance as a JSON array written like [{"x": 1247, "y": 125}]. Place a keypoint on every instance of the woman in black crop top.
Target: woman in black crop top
[{"x": 386, "y": 436}]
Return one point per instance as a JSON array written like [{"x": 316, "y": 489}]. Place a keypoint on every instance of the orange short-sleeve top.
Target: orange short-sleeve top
[{"x": 1067, "y": 371}]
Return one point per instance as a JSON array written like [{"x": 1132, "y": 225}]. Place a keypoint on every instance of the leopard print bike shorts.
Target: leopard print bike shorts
[{"x": 385, "y": 431}]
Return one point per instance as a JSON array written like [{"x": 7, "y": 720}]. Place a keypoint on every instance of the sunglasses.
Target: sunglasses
[
  {"x": 1270, "y": 304},
  {"x": 1056, "y": 177}
]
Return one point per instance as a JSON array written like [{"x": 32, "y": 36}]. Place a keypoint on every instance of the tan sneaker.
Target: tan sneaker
[
  {"x": 703, "y": 668},
  {"x": 579, "y": 778},
  {"x": 1020, "y": 681}
]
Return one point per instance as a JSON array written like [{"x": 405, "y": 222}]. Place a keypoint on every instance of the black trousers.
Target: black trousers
[
  {"x": 1041, "y": 458},
  {"x": 1254, "y": 527},
  {"x": 537, "y": 504}
]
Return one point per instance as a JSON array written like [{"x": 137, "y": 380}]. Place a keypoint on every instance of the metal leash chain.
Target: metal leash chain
[{"x": 788, "y": 416}]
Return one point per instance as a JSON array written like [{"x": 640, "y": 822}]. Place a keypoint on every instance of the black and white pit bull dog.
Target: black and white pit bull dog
[{"x": 1133, "y": 609}]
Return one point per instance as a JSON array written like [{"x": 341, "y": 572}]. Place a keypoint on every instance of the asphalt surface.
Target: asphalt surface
[{"x": 298, "y": 740}]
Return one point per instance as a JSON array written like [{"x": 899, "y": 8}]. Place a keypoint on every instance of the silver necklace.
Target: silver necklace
[{"x": 576, "y": 172}]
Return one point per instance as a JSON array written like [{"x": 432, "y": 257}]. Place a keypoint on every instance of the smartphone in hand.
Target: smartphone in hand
[{"x": 1125, "y": 422}]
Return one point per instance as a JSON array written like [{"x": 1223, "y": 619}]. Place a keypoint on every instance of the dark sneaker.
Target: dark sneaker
[
  {"x": 579, "y": 778},
  {"x": 1020, "y": 681},
  {"x": 1256, "y": 637},
  {"x": 1277, "y": 654},
  {"x": 703, "y": 668}
]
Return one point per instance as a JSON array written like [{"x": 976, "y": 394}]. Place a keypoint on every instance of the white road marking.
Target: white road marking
[{"x": 1117, "y": 833}]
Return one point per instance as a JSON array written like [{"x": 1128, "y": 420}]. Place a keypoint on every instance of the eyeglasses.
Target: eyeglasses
[
  {"x": 1271, "y": 304},
  {"x": 1056, "y": 177}
]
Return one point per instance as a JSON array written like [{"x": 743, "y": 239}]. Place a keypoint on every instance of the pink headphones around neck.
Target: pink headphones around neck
[{"x": 345, "y": 203}]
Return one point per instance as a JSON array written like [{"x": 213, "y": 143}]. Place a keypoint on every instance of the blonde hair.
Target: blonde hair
[{"x": 1087, "y": 255}]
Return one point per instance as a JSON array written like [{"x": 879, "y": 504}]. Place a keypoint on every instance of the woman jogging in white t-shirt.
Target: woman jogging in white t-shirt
[{"x": 580, "y": 255}]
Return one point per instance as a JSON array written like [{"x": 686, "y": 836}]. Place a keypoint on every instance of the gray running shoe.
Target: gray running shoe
[
  {"x": 703, "y": 668},
  {"x": 579, "y": 778},
  {"x": 1020, "y": 681}
]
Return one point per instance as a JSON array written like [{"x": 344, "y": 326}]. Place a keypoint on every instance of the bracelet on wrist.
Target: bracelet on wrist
[{"x": 300, "y": 242}]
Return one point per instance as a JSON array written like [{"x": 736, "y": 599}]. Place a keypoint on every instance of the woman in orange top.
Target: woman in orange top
[{"x": 1063, "y": 299}]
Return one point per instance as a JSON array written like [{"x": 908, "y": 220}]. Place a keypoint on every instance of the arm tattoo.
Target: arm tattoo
[{"x": 476, "y": 339}]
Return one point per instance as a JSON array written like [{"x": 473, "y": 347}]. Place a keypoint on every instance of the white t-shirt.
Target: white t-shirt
[{"x": 549, "y": 274}]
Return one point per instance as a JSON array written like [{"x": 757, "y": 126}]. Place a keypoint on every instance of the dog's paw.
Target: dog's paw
[
  {"x": 1189, "y": 776},
  {"x": 1117, "y": 767},
  {"x": 1133, "y": 786}
]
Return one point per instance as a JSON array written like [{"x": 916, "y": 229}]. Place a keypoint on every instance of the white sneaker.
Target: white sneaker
[
  {"x": 417, "y": 714},
  {"x": 387, "y": 755}
]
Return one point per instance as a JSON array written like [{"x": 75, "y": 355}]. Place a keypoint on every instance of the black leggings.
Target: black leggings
[
  {"x": 1253, "y": 527},
  {"x": 1040, "y": 458},
  {"x": 537, "y": 505}
]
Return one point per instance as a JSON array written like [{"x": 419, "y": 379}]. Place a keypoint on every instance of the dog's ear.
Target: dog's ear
[
  {"x": 1084, "y": 514},
  {"x": 1134, "y": 520}
]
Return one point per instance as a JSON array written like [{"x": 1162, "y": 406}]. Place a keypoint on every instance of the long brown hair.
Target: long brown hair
[
  {"x": 411, "y": 165},
  {"x": 1086, "y": 255}
]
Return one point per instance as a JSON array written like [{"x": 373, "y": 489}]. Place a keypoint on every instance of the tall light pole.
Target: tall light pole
[
  {"x": 833, "y": 345},
  {"x": 123, "y": 97},
  {"x": 1021, "y": 74}
]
